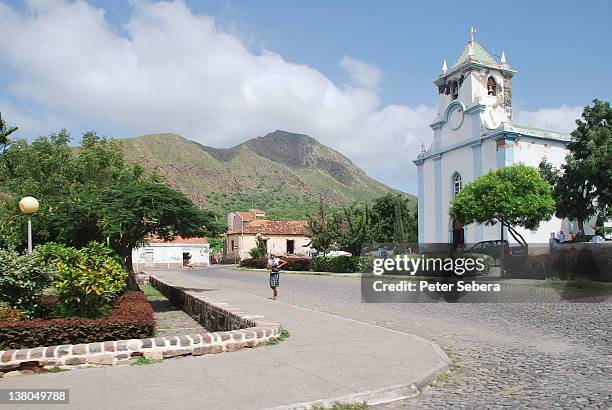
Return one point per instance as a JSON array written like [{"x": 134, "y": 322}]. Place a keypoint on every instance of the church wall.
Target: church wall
[
  {"x": 461, "y": 161},
  {"x": 465, "y": 133},
  {"x": 530, "y": 151},
  {"x": 489, "y": 154},
  {"x": 427, "y": 201}
]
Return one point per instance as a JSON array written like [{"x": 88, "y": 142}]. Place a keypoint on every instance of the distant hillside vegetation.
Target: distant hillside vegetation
[{"x": 282, "y": 173}]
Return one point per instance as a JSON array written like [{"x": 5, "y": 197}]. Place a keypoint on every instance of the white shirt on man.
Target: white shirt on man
[{"x": 274, "y": 262}]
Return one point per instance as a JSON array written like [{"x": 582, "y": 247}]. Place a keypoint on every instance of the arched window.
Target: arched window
[
  {"x": 457, "y": 183},
  {"x": 491, "y": 86}
]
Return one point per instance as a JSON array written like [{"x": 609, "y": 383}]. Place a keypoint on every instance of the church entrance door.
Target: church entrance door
[{"x": 458, "y": 235}]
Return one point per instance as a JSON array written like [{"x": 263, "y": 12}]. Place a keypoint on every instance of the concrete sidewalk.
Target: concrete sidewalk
[{"x": 326, "y": 357}]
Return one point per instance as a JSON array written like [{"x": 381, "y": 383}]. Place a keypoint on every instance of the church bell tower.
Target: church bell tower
[{"x": 474, "y": 95}]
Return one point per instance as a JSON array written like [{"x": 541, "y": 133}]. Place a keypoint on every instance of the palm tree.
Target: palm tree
[{"x": 5, "y": 131}]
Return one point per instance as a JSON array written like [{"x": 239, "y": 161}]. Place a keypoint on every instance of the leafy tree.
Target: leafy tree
[
  {"x": 515, "y": 196},
  {"x": 583, "y": 186},
  {"x": 261, "y": 248},
  {"x": 90, "y": 194},
  {"x": 572, "y": 196},
  {"x": 216, "y": 244},
  {"x": 320, "y": 229},
  {"x": 5, "y": 131},
  {"x": 389, "y": 219},
  {"x": 353, "y": 228},
  {"x": 393, "y": 220}
]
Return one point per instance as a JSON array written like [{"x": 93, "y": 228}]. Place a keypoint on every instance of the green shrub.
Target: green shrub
[
  {"x": 23, "y": 279},
  {"x": 293, "y": 264},
  {"x": 337, "y": 264},
  {"x": 88, "y": 280},
  {"x": 131, "y": 318}
]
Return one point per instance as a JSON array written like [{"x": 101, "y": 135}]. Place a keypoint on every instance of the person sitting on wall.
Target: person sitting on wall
[{"x": 561, "y": 237}]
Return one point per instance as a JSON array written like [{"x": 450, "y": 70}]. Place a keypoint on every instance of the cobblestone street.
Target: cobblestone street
[{"x": 505, "y": 355}]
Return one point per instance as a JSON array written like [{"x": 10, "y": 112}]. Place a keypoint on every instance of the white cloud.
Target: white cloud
[
  {"x": 175, "y": 71},
  {"x": 362, "y": 74},
  {"x": 562, "y": 118},
  {"x": 169, "y": 70}
]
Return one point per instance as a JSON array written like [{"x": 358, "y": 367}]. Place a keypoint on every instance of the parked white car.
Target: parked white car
[{"x": 335, "y": 253}]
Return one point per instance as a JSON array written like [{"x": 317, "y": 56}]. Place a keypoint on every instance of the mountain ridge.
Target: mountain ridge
[{"x": 282, "y": 173}]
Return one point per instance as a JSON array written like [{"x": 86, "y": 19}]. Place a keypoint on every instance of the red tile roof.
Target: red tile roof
[
  {"x": 266, "y": 227},
  {"x": 246, "y": 216}
]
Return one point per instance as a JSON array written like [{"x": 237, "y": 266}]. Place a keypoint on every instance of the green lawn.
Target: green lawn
[{"x": 152, "y": 293}]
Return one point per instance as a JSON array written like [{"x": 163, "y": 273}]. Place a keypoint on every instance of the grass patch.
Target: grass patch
[
  {"x": 143, "y": 361},
  {"x": 455, "y": 366},
  {"x": 340, "y": 406},
  {"x": 280, "y": 338},
  {"x": 56, "y": 369},
  {"x": 151, "y": 293},
  {"x": 453, "y": 358},
  {"x": 440, "y": 380}
]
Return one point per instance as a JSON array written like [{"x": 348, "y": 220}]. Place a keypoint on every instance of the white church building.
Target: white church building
[{"x": 473, "y": 133}]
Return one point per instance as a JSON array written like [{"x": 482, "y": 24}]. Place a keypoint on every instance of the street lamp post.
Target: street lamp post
[{"x": 29, "y": 205}]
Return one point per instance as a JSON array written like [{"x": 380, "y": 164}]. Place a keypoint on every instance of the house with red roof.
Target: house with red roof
[{"x": 282, "y": 237}]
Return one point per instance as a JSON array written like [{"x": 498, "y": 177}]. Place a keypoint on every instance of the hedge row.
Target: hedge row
[
  {"x": 592, "y": 263},
  {"x": 342, "y": 264},
  {"x": 293, "y": 264},
  {"x": 350, "y": 264},
  {"x": 131, "y": 318}
]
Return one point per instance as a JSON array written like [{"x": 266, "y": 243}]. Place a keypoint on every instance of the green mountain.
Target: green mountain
[{"x": 282, "y": 173}]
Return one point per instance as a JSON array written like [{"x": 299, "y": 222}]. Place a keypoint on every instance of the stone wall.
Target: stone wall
[{"x": 213, "y": 317}]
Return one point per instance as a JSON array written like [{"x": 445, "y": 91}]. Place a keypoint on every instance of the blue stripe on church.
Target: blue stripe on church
[
  {"x": 500, "y": 157},
  {"x": 477, "y": 157},
  {"x": 438, "y": 177},
  {"x": 510, "y": 153},
  {"x": 421, "y": 200},
  {"x": 504, "y": 157}
]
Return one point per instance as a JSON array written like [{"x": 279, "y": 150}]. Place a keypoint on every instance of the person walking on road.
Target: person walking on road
[{"x": 275, "y": 264}]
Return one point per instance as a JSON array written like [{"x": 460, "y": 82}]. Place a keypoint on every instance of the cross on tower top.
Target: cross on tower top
[{"x": 472, "y": 32}]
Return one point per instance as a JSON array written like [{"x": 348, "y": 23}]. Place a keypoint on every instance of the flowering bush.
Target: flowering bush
[{"x": 88, "y": 280}]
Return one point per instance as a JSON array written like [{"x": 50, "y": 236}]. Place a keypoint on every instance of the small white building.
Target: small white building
[
  {"x": 473, "y": 133},
  {"x": 176, "y": 253}
]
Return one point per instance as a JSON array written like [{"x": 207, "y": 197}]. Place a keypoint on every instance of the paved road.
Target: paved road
[{"x": 507, "y": 355}]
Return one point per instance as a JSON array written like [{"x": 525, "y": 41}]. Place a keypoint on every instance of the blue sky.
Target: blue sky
[
  {"x": 353, "y": 74},
  {"x": 553, "y": 44}
]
